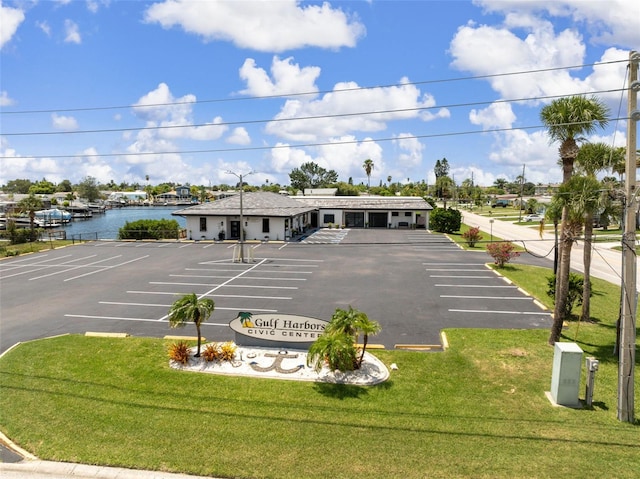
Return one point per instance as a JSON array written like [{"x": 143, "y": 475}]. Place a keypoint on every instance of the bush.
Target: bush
[
  {"x": 179, "y": 352},
  {"x": 472, "y": 236},
  {"x": 219, "y": 351},
  {"x": 502, "y": 253},
  {"x": 149, "y": 229},
  {"x": 574, "y": 297},
  {"x": 445, "y": 220}
]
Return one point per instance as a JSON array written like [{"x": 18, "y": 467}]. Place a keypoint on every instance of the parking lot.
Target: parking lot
[{"x": 414, "y": 283}]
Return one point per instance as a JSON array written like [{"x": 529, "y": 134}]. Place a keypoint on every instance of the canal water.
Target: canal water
[{"x": 107, "y": 225}]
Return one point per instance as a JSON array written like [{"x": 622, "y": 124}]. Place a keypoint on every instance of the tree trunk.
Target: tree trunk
[
  {"x": 199, "y": 339},
  {"x": 562, "y": 279},
  {"x": 585, "y": 314}
]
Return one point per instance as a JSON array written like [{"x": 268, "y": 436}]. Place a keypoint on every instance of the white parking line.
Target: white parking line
[
  {"x": 117, "y": 303},
  {"x": 471, "y": 286},
  {"x": 485, "y": 297},
  {"x": 475, "y": 311},
  {"x": 223, "y": 285},
  {"x": 100, "y": 270},
  {"x": 460, "y": 276},
  {"x": 173, "y": 293},
  {"x": 74, "y": 267},
  {"x": 246, "y": 277}
]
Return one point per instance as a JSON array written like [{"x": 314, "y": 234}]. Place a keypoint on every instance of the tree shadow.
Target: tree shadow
[{"x": 347, "y": 391}]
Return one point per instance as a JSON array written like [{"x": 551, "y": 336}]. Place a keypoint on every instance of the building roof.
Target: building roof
[
  {"x": 259, "y": 203},
  {"x": 366, "y": 202}
]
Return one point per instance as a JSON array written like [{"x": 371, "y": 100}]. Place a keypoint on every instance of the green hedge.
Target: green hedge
[{"x": 149, "y": 229}]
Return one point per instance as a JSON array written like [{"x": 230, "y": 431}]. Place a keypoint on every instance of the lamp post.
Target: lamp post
[
  {"x": 239, "y": 176},
  {"x": 491, "y": 226}
]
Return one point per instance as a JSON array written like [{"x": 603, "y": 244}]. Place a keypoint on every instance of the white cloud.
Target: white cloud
[
  {"x": 239, "y": 136},
  {"x": 263, "y": 26},
  {"x": 341, "y": 111},
  {"x": 72, "y": 32},
  {"x": 10, "y": 20},
  {"x": 345, "y": 155},
  {"x": 66, "y": 123},
  {"x": 5, "y": 100},
  {"x": 611, "y": 22},
  {"x": 287, "y": 78},
  {"x": 496, "y": 115},
  {"x": 45, "y": 27},
  {"x": 174, "y": 116},
  {"x": 411, "y": 149}
]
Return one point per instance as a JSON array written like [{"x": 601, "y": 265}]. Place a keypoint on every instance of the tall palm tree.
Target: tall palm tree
[
  {"x": 368, "y": 168},
  {"x": 592, "y": 159},
  {"x": 567, "y": 119},
  {"x": 190, "y": 308}
]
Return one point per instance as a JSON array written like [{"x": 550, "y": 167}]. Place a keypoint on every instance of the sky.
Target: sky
[{"x": 201, "y": 92}]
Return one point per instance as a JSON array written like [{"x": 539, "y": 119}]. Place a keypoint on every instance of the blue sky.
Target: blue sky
[{"x": 185, "y": 91}]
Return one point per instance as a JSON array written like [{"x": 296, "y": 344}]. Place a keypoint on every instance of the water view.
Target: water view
[{"x": 106, "y": 226}]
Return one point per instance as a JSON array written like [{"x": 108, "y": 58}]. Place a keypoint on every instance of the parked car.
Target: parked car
[{"x": 534, "y": 217}]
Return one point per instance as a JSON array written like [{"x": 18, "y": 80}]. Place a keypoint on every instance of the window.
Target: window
[
  {"x": 329, "y": 218},
  {"x": 395, "y": 213},
  {"x": 265, "y": 225},
  {"x": 407, "y": 213},
  {"x": 203, "y": 223}
]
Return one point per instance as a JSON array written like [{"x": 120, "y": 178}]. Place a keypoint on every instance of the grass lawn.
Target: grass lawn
[
  {"x": 476, "y": 410},
  {"x": 480, "y": 245},
  {"x": 17, "y": 249}
]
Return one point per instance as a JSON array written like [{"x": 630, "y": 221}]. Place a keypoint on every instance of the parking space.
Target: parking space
[{"x": 413, "y": 282}]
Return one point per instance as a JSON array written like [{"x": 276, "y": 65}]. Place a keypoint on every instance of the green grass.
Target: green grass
[
  {"x": 18, "y": 249},
  {"x": 480, "y": 245}
]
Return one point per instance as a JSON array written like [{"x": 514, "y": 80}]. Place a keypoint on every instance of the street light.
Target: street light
[{"x": 239, "y": 176}]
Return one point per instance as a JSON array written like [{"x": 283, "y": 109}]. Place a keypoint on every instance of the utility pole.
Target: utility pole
[
  {"x": 239, "y": 176},
  {"x": 521, "y": 194},
  {"x": 627, "y": 347}
]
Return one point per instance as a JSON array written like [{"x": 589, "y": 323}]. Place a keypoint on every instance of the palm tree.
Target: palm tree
[
  {"x": 353, "y": 323},
  {"x": 368, "y": 168},
  {"x": 592, "y": 158},
  {"x": 190, "y": 308},
  {"x": 337, "y": 350},
  {"x": 567, "y": 119}
]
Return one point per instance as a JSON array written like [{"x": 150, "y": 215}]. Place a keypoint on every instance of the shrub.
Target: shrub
[
  {"x": 472, "y": 236},
  {"x": 445, "y": 220},
  {"x": 227, "y": 351},
  {"x": 574, "y": 297},
  {"x": 179, "y": 352},
  {"x": 502, "y": 253},
  {"x": 219, "y": 351},
  {"x": 211, "y": 352},
  {"x": 149, "y": 229}
]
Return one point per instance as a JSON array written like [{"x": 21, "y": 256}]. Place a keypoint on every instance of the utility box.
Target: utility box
[{"x": 565, "y": 379}]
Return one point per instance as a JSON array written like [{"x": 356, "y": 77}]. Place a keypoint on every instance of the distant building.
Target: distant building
[{"x": 272, "y": 216}]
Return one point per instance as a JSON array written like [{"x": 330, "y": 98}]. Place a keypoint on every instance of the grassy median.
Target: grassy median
[{"x": 476, "y": 410}]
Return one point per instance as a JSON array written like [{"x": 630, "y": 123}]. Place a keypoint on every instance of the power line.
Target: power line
[
  {"x": 309, "y": 93},
  {"x": 278, "y": 147},
  {"x": 303, "y": 118}
]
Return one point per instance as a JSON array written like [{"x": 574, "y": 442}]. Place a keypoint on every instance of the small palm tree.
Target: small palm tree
[
  {"x": 336, "y": 350},
  {"x": 353, "y": 322},
  {"x": 190, "y": 308}
]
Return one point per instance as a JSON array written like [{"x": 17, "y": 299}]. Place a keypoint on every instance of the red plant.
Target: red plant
[{"x": 502, "y": 253}]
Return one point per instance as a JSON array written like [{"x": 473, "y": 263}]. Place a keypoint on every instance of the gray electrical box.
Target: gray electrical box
[{"x": 565, "y": 379}]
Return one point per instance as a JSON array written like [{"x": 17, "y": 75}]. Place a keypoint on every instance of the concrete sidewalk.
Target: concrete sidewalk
[
  {"x": 606, "y": 263},
  {"x": 35, "y": 469}
]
